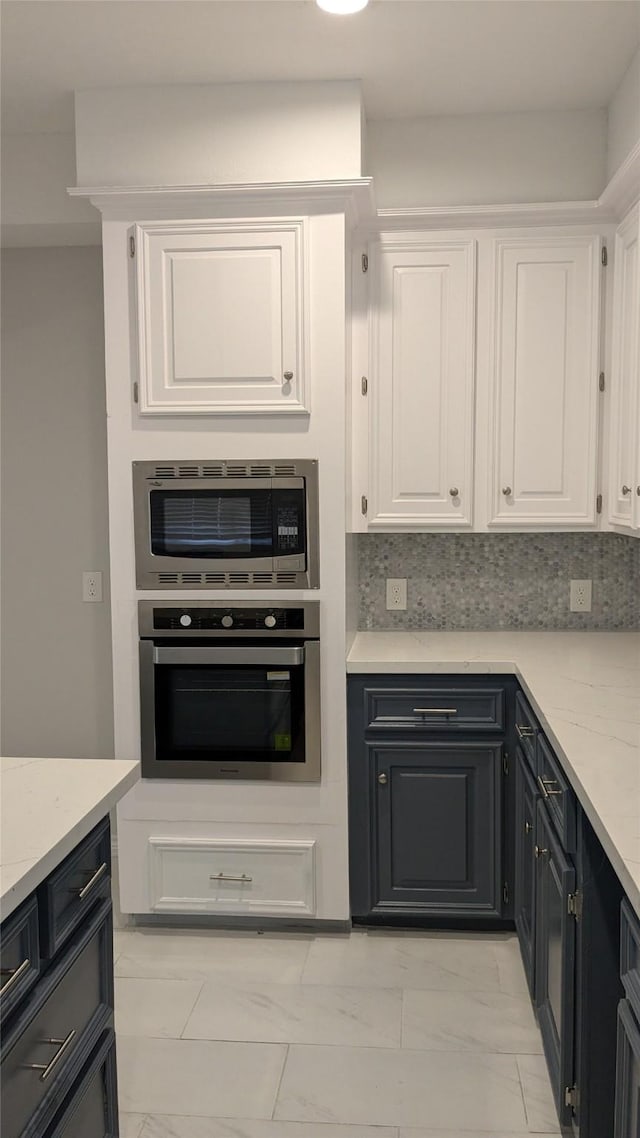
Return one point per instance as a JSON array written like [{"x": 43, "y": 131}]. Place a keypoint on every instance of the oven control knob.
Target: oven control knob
[
  {"x": 270, "y": 621},
  {"x": 185, "y": 620},
  {"x": 227, "y": 621}
]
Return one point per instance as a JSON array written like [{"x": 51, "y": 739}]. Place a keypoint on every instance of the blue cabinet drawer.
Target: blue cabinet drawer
[
  {"x": 19, "y": 956},
  {"x": 434, "y": 708},
  {"x": 90, "y": 1109},
  {"x": 68, "y": 895},
  {"x": 558, "y": 795},
  {"x": 50, "y": 1037},
  {"x": 630, "y": 956},
  {"x": 527, "y": 730}
]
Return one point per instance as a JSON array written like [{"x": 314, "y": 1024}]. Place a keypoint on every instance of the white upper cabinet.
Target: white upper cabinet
[
  {"x": 421, "y": 414},
  {"x": 624, "y": 423},
  {"x": 544, "y": 374},
  {"x": 221, "y": 322}
]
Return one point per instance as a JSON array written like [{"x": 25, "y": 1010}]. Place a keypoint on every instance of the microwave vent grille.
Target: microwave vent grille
[
  {"x": 237, "y": 471},
  {"x": 164, "y": 472},
  {"x": 225, "y": 580},
  {"x": 262, "y": 578},
  {"x": 188, "y": 471},
  {"x": 286, "y": 578},
  {"x": 215, "y": 578},
  {"x": 168, "y": 578},
  {"x": 261, "y": 471},
  {"x": 239, "y": 578},
  {"x": 284, "y": 469},
  {"x": 225, "y": 470},
  {"x": 213, "y": 471}
]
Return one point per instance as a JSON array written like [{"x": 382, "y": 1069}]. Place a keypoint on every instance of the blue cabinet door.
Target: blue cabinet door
[
  {"x": 627, "y": 1118},
  {"x": 437, "y": 836},
  {"x": 555, "y": 959},
  {"x": 526, "y": 798}
]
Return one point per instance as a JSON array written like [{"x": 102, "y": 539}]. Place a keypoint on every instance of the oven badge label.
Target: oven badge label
[{"x": 282, "y": 742}]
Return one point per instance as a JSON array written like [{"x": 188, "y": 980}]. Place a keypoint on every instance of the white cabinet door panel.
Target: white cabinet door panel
[
  {"x": 624, "y": 438},
  {"x": 220, "y": 317},
  {"x": 545, "y": 381},
  {"x": 423, "y": 385}
]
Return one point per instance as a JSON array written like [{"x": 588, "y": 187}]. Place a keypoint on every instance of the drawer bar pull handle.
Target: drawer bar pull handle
[
  {"x": 545, "y": 785},
  {"x": 524, "y": 732},
  {"x": 435, "y": 711},
  {"x": 228, "y": 877},
  {"x": 15, "y": 975},
  {"x": 528, "y": 827},
  {"x": 540, "y": 852},
  {"x": 93, "y": 881},
  {"x": 47, "y": 1068}
]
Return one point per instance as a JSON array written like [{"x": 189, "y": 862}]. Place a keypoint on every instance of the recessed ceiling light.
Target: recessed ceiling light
[{"x": 342, "y": 7}]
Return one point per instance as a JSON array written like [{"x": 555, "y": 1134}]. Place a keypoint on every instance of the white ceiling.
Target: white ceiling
[{"x": 414, "y": 57}]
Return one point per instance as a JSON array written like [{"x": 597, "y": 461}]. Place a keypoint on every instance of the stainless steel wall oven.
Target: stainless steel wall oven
[
  {"x": 230, "y": 692},
  {"x": 240, "y": 524}
]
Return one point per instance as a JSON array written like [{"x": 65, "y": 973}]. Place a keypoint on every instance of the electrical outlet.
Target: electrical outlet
[
  {"x": 92, "y": 586},
  {"x": 580, "y": 596},
  {"x": 396, "y": 592}
]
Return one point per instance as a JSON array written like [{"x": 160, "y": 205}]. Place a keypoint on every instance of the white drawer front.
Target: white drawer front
[{"x": 218, "y": 876}]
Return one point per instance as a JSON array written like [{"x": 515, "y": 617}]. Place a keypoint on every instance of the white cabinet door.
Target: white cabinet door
[
  {"x": 624, "y": 424},
  {"x": 221, "y": 317},
  {"x": 545, "y": 370},
  {"x": 421, "y": 446}
]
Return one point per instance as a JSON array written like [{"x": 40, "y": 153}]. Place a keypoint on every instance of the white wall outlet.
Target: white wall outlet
[
  {"x": 396, "y": 592},
  {"x": 92, "y": 585},
  {"x": 580, "y": 596}
]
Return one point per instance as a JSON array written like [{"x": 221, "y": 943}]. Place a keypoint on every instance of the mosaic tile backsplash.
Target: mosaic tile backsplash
[{"x": 499, "y": 581}]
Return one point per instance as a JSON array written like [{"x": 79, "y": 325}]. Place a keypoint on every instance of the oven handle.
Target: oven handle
[{"x": 232, "y": 655}]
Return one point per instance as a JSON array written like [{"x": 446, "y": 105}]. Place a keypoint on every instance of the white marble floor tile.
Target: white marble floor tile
[
  {"x": 510, "y": 967},
  {"x": 411, "y": 1132},
  {"x": 455, "y": 962},
  {"x": 131, "y": 1125},
  {"x": 536, "y": 1090},
  {"x": 201, "y": 954},
  {"x": 197, "y": 1077},
  {"x": 157, "y": 1126},
  {"x": 155, "y": 1007},
  {"x": 295, "y": 1013},
  {"x": 401, "y": 1088},
  {"x": 469, "y": 1021}
]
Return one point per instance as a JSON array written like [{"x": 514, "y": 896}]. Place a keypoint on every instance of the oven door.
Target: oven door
[{"x": 230, "y": 712}]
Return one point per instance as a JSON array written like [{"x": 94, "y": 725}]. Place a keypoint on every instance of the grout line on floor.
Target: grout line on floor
[
  {"x": 277, "y": 1094},
  {"x": 190, "y": 1013}
]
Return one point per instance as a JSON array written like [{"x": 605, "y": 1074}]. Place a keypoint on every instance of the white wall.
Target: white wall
[
  {"x": 56, "y": 653},
  {"x": 36, "y": 208},
  {"x": 198, "y": 134},
  {"x": 488, "y": 159},
  {"x": 624, "y": 117}
]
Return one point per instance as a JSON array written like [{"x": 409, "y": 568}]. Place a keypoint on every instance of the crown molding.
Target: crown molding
[
  {"x": 494, "y": 216},
  {"x": 623, "y": 190},
  {"x": 354, "y": 197}
]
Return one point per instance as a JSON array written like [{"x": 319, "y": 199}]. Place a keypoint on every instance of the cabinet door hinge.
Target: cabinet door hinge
[
  {"x": 604, "y": 257},
  {"x": 505, "y": 763},
  {"x": 364, "y": 385},
  {"x": 599, "y": 504},
  {"x": 135, "y": 393},
  {"x": 505, "y": 893},
  {"x": 365, "y": 262},
  {"x": 572, "y": 1097},
  {"x": 574, "y": 905},
  {"x": 364, "y": 505},
  {"x": 132, "y": 246},
  {"x": 601, "y": 381}
]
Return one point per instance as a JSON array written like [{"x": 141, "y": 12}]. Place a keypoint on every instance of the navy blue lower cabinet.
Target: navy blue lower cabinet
[
  {"x": 526, "y": 799},
  {"x": 555, "y": 960},
  {"x": 627, "y": 1118},
  {"x": 436, "y": 827}
]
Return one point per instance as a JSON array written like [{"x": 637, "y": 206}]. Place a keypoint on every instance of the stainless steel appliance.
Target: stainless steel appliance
[
  {"x": 230, "y": 692},
  {"x": 214, "y": 524}
]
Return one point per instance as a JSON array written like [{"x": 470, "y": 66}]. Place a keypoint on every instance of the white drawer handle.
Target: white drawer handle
[
  {"x": 435, "y": 711},
  {"x": 92, "y": 881},
  {"x": 15, "y": 974},
  {"x": 228, "y": 877}
]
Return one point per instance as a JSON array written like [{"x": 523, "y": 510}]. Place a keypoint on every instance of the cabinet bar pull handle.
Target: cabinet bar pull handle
[
  {"x": 626, "y": 490},
  {"x": 382, "y": 779},
  {"x": 92, "y": 881},
  {"x": 454, "y": 492},
  {"x": 287, "y": 377},
  {"x": 435, "y": 711},
  {"x": 528, "y": 827},
  {"x": 47, "y": 1068},
  {"x": 507, "y": 491},
  {"x": 16, "y": 973},
  {"x": 524, "y": 732},
  {"x": 545, "y": 785},
  {"x": 228, "y": 877},
  {"x": 539, "y": 851}
]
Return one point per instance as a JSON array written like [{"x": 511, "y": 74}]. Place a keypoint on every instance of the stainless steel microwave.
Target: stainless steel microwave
[{"x": 219, "y": 524}]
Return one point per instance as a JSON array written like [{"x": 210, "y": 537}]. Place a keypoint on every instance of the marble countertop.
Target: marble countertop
[
  {"x": 47, "y": 806},
  {"x": 585, "y": 690}
]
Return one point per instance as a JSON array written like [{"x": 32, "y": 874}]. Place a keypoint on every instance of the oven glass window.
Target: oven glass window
[
  {"x": 211, "y": 523},
  {"x": 238, "y": 714}
]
